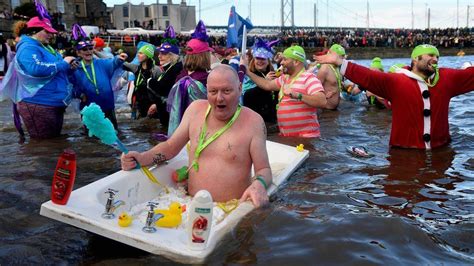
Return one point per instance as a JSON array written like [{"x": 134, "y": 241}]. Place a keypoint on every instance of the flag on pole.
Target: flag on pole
[
  {"x": 244, "y": 41},
  {"x": 235, "y": 28}
]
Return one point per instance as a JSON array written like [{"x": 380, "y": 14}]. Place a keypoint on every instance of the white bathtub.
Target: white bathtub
[{"x": 86, "y": 205}]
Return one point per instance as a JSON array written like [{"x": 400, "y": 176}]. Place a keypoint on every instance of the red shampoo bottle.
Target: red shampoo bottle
[{"x": 63, "y": 179}]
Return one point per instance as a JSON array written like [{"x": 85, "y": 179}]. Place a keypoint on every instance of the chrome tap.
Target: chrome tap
[
  {"x": 151, "y": 218},
  {"x": 111, "y": 205}
]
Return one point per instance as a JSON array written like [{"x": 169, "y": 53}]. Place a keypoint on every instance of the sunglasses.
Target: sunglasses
[{"x": 87, "y": 49}]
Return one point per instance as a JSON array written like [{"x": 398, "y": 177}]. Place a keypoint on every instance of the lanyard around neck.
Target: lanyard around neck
[
  {"x": 435, "y": 79},
  {"x": 203, "y": 144},
  {"x": 139, "y": 79},
  {"x": 166, "y": 71},
  {"x": 93, "y": 80},
  {"x": 281, "y": 93},
  {"x": 338, "y": 77},
  {"x": 49, "y": 49}
]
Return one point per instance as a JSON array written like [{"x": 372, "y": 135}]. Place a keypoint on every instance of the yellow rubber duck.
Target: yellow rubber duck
[
  {"x": 171, "y": 217},
  {"x": 300, "y": 147},
  {"x": 124, "y": 219}
]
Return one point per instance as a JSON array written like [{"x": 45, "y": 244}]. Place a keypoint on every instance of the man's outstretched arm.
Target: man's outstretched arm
[
  {"x": 164, "y": 150},
  {"x": 268, "y": 85}
]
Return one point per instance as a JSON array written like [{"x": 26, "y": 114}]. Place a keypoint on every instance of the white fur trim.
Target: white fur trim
[
  {"x": 426, "y": 103},
  {"x": 344, "y": 66},
  {"x": 426, "y": 119}
]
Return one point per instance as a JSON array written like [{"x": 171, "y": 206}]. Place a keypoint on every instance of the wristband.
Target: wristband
[
  {"x": 300, "y": 96},
  {"x": 260, "y": 178}
]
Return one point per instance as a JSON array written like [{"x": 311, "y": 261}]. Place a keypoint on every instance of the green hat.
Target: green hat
[
  {"x": 394, "y": 68},
  {"x": 148, "y": 50},
  {"x": 424, "y": 49},
  {"x": 338, "y": 49},
  {"x": 377, "y": 63},
  {"x": 295, "y": 52}
]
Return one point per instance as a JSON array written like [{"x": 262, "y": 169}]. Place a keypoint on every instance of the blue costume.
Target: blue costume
[
  {"x": 37, "y": 81},
  {"x": 38, "y": 75},
  {"x": 102, "y": 92}
]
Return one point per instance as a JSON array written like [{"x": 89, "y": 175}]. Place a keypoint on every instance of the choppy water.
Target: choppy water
[{"x": 399, "y": 207}]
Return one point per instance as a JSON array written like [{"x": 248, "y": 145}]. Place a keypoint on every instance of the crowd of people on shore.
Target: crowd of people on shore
[
  {"x": 210, "y": 98},
  {"x": 391, "y": 38},
  {"x": 394, "y": 38}
]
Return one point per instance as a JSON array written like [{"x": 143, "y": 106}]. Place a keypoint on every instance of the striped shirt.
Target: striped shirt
[{"x": 296, "y": 118}]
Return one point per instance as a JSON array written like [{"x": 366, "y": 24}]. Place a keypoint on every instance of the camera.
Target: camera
[{"x": 77, "y": 60}]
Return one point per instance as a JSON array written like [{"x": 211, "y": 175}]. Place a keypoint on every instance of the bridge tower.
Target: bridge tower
[{"x": 287, "y": 14}]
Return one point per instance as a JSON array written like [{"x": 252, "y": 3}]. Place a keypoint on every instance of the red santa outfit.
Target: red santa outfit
[{"x": 419, "y": 112}]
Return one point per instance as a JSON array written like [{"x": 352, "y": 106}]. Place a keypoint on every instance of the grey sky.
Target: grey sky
[{"x": 338, "y": 13}]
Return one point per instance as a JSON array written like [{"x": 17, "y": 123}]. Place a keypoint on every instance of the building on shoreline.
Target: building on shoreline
[
  {"x": 155, "y": 16},
  {"x": 64, "y": 13}
]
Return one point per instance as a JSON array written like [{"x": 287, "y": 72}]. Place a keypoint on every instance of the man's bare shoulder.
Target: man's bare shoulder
[
  {"x": 250, "y": 114},
  {"x": 323, "y": 72},
  {"x": 324, "y": 68},
  {"x": 251, "y": 119},
  {"x": 197, "y": 105}
]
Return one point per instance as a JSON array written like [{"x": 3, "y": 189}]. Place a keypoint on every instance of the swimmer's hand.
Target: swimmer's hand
[
  {"x": 129, "y": 160},
  {"x": 329, "y": 58},
  {"x": 256, "y": 193}
]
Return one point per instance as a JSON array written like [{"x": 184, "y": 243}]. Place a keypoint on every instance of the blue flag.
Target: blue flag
[{"x": 235, "y": 28}]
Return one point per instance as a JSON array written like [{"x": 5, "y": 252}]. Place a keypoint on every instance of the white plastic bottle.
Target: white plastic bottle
[{"x": 199, "y": 220}]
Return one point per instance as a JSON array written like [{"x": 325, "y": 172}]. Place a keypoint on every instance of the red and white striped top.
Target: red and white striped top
[{"x": 296, "y": 118}]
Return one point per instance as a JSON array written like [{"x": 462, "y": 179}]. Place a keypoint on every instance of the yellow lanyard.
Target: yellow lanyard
[
  {"x": 164, "y": 73},
  {"x": 281, "y": 93},
  {"x": 49, "y": 49},
  {"x": 338, "y": 77},
  {"x": 203, "y": 144},
  {"x": 93, "y": 80},
  {"x": 139, "y": 79}
]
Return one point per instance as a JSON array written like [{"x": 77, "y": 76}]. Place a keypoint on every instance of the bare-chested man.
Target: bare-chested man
[
  {"x": 331, "y": 78},
  {"x": 229, "y": 137}
]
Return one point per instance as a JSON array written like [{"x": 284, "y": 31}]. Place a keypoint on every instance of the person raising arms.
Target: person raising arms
[{"x": 419, "y": 96}]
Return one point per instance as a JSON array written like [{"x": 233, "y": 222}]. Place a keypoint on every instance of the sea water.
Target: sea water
[{"x": 398, "y": 207}]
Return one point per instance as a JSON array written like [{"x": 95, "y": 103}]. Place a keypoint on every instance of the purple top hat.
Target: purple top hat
[
  {"x": 80, "y": 37},
  {"x": 169, "y": 42},
  {"x": 262, "y": 49}
]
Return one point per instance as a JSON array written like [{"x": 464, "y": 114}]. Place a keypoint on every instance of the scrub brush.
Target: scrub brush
[{"x": 101, "y": 127}]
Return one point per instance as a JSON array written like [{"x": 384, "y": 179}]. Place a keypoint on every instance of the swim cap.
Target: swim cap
[
  {"x": 295, "y": 52},
  {"x": 99, "y": 42},
  {"x": 396, "y": 67},
  {"x": 338, "y": 49},
  {"x": 377, "y": 63},
  {"x": 424, "y": 49}
]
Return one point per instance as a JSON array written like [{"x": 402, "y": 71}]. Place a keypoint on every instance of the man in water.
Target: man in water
[
  {"x": 331, "y": 78},
  {"x": 225, "y": 139},
  {"x": 300, "y": 95},
  {"x": 419, "y": 96}
]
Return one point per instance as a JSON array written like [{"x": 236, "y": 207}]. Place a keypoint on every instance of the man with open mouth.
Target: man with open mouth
[{"x": 419, "y": 95}]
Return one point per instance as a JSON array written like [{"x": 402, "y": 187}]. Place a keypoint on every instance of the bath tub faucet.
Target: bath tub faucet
[
  {"x": 111, "y": 205},
  {"x": 151, "y": 218}
]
